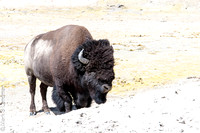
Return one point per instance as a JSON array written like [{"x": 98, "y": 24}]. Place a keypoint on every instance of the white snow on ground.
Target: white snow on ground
[{"x": 173, "y": 108}]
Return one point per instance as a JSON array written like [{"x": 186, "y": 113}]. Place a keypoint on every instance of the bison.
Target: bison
[{"x": 79, "y": 68}]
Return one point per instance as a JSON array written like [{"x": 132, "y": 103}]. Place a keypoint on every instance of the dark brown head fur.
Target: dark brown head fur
[{"x": 99, "y": 71}]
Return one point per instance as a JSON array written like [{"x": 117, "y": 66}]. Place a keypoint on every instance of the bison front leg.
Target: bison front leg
[
  {"x": 89, "y": 102},
  {"x": 65, "y": 96},
  {"x": 43, "y": 91},
  {"x": 32, "y": 85},
  {"x": 83, "y": 100}
]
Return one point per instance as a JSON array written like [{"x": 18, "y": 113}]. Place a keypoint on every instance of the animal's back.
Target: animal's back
[{"x": 46, "y": 50}]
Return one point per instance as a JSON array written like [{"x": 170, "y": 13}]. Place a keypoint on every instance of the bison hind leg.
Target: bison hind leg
[
  {"x": 43, "y": 91},
  {"x": 58, "y": 100}
]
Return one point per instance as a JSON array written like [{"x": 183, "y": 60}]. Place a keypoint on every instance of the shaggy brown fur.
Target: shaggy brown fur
[{"x": 53, "y": 59}]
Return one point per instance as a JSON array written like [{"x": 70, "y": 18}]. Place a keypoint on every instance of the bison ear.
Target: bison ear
[{"x": 104, "y": 42}]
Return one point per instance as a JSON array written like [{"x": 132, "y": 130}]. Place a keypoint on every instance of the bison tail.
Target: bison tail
[{"x": 58, "y": 100}]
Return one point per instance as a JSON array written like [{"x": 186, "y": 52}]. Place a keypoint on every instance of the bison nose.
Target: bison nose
[{"x": 105, "y": 88}]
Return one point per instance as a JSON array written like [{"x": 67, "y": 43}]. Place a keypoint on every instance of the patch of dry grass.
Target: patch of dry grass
[
  {"x": 132, "y": 32},
  {"x": 12, "y": 69}
]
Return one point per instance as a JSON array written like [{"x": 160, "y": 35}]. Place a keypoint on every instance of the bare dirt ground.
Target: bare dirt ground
[{"x": 155, "y": 43}]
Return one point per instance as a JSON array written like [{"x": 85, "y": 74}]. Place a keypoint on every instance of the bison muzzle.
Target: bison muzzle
[{"x": 78, "y": 68}]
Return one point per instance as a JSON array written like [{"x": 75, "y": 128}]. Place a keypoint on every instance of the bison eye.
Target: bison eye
[
  {"x": 107, "y": 81},
  {"x": 103, "y": 81},
  {"x": 112, "y": 78}
]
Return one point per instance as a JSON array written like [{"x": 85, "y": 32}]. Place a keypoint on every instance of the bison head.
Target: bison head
[{"x": 94, "y": 62}]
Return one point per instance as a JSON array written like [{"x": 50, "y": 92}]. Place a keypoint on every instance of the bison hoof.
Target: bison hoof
[
  {"x": 33, "y": 113},
  {"x": 74, "y": 107},
  {"x": 47, "y": 113},
  {"x": 67, "y": 111}
]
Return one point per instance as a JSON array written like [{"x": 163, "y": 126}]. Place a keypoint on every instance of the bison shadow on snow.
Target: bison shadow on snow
[{"x": 54, "y": 110}]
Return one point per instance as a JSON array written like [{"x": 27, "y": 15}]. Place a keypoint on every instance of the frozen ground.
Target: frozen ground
[{"x": 171, "y": 108}]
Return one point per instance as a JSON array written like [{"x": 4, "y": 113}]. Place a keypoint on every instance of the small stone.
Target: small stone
[
  {"x": 82, "y": 114},
  {"x": 161, "y": 125},
  {"x": 182, "y": 122},
  {"x": 78, "y": 122}
]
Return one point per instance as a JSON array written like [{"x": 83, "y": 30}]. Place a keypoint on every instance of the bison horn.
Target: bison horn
[{"x": 82, "y": 59}]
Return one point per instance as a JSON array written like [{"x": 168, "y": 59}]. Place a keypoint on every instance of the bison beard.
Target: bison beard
[
  {"x": 60, "y": 103},
  {"x": 95, "y": 77},
  {"x": 57, "y": 100}
]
